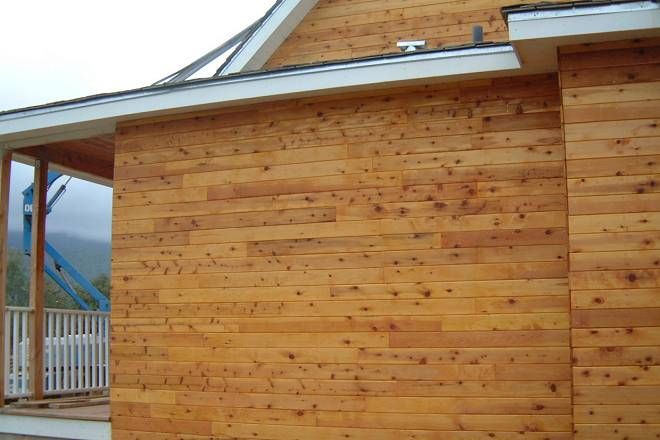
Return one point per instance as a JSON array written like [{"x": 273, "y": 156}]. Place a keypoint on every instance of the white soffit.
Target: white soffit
[
  {"x": 263, "y": 43},
  {"x": 537, "y": 34},
  {"x": 66, "y": 120}
]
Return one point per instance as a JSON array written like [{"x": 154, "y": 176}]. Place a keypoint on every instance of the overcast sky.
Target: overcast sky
[{"x": 54, "y": 50}]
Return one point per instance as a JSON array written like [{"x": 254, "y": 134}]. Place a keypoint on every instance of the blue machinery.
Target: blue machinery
[{"x": 62, "y": 268}]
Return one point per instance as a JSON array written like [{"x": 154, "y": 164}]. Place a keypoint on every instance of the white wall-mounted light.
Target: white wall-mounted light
[{"x": 411, "y": 45}]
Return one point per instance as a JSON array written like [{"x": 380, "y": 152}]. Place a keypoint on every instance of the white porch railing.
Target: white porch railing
[
  {"x": 16, "y": 352},
  {"x": 76, "y": 351}
]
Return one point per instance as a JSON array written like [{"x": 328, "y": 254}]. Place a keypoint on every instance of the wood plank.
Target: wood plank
[
  {"x": 604, "y": 204},
  {"x": 79, "y": 155},
  {"x": 606, "y": 337},
  {"x": 468, "y": 158},
  {"x": 617, "y": 414},
  {"x": 590, "y": 186},
  {"x": 622, "y": 222},
  {"x": 616, "y": 299},
  {"x": 616, "y": 356},
  {"x": 279, "y": 432},
  {"x": 487, "y": 173},
  {"x": 638, "y": 259},
  {"x": 615, "y": 241},
  {"x": 320, "y": 242},
  {"x": 618, "y": 394},
  {"x": 636, "y": 278},
  {"x": 645, "y": 316},
  {"x": 37, "y": 295},
  {"x": 586, "y": 131},
  {"x": 628, "y": 56},
  {"x": 425, "y": 307},
  {"x": 616, "y": 430},
  {"x": 612, "y": 111},
  {"x": 609, "y": 94},
  {"x": 480, "y": 339},
  {"x": 444, "y": 143},
  {"x": 617, "y": 147},
  {"x": 5, "y": 179},
  {"x": 611, "y": 75},
  {"x": 619, "y": 376}
]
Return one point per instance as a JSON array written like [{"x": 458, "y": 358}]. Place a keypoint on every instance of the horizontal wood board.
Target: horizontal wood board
[
  {"x": 611, "y": 106},
  {"x": 344, "y": 29},
  {"x": 386, "y": 264}
]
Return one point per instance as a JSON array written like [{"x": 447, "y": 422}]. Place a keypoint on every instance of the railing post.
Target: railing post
[
  {"x": 5, "y": 173},
  {"x": 37, "y": 300}
]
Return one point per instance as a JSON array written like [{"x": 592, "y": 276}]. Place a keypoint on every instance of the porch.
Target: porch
[
  {"x": 56, "y": 385},
  {"x": 75, "y": 375}
]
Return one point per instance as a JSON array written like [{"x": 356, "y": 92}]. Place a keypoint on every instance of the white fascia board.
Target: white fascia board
[
  {"x": 57, "y": 121},
  {"x": 263, "y": 43},
  {"x": 584, "y": 20},
  {"x": 52, "y": 427},
  {"x": 537, "y": 34}
]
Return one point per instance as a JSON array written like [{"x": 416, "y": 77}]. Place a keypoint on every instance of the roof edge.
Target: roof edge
[
  {"x": 65, "y": 120},
  {"x": 267, "y": 37},
  {"x": 538, "y": 10}
]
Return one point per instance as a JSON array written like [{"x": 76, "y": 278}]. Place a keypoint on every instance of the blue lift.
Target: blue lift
[{"x": 62, "y": 268}]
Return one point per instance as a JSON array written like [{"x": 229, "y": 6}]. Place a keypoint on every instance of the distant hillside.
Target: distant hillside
[{"x": 91, "y": 257}]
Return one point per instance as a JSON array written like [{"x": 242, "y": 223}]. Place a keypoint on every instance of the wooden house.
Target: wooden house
[{"x": 334, "y": 239}]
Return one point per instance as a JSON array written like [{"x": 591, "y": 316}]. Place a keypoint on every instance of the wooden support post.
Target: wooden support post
[
  {"x": 37, "y": 298},
  {"x": 5, "y": 173}
]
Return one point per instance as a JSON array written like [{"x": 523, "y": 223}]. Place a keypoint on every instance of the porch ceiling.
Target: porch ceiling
[{"x": 90, "y": 158}]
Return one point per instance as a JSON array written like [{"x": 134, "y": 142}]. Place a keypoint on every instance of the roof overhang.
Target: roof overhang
[
  {"x": 53, "y": 166},
  {"x": 537, "y": 31},
  {"x": 99, "y": 114}
]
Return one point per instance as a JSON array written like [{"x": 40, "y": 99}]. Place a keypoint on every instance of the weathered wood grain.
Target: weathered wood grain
[
  {"x": 611, "y": 100},
  {"x": 387, "y": 263}
]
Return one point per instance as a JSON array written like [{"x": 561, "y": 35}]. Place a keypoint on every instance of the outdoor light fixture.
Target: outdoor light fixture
[{"x": 411, "y": 45}]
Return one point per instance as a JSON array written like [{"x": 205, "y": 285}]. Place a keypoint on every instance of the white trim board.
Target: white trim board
[
  {"x": 52, "y": 427},
  {"x": 40, "y": 125},
  {"x": 263, "y": 43},
  {"x": 584, "y": 20},
  {"x": 537, "y": 34}
]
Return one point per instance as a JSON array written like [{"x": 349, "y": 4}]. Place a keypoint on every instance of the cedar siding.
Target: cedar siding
[
  {"x": 378, "y": 265},
  {"x": 611, "y": 95},
  {"x": 344, "y": 29}
]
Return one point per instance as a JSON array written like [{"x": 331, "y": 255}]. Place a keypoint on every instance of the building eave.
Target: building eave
[
  {"x": 100, "y": 114},
  {"x": 537, "y": 31}
]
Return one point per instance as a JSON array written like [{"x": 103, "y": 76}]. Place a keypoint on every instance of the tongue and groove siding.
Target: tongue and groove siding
[
  {"x": 383, "y": 265},
  {"x": 344, "y": 29},
  {"x": 611, "y": 99}
]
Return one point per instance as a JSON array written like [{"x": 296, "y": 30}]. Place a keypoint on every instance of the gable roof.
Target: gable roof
[
  {"x": 267, "y": 36},
  {"x": 532, "y": 49}
]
